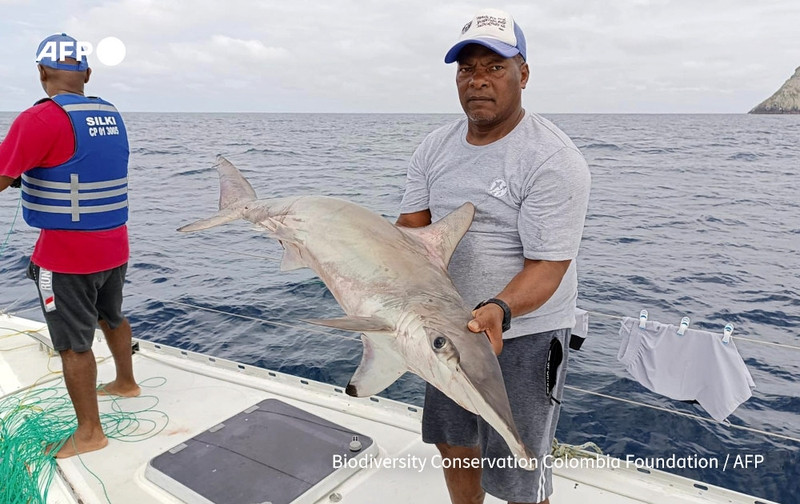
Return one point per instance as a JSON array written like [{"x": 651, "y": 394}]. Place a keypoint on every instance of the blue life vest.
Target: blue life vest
[{"x": 89, "y": 191}]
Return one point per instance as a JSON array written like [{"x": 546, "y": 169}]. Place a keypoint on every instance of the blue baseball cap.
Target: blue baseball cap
[
  {"x": 494, "y": 29},
  {"x": 55, "y": 49}
]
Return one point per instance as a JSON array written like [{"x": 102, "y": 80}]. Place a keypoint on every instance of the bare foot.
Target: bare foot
[
  {"x": 75, "y": 446},
  {"x": 112, "y": 389}
]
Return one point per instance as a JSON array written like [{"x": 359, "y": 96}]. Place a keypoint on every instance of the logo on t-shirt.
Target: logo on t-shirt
[{"x": 498, "y": 188}]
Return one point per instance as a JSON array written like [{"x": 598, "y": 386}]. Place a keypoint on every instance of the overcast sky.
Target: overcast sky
[{"x": 652, "y": 56}]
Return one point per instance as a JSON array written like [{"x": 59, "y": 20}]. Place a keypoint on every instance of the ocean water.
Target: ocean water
[{"x": 693, "y": 215}]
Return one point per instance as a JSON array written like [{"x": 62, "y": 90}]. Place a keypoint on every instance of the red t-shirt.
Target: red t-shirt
[{"x": 42, "y": 136}]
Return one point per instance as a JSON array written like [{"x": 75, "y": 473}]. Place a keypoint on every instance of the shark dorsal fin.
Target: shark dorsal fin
[{"x": 442, "y": 237}]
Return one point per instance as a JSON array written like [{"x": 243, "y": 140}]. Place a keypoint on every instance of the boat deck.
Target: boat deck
[{"x": 197, "y": 392}]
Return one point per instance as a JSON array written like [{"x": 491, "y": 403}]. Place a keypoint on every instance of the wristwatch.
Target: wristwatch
[{"x": 506, "y": 311}]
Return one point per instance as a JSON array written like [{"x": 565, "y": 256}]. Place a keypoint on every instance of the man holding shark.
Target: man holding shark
[{"x": 530, "y": 187}]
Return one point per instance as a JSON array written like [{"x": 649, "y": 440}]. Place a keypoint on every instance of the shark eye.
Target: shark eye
[{"x": 439, "y": 342}]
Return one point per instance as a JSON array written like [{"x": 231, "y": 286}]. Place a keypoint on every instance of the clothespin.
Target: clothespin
[
  {"x": 643, "y": 319},
  {"x": 684, "y": 325},
  {"x": 727, "y": 333}
]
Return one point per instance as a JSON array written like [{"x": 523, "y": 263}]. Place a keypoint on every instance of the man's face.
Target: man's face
[{"x": 489, "y": 85}]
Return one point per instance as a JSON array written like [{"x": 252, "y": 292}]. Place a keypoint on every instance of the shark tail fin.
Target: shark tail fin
[
  {"x": 233, "y": 187},
  {"x": 234, "y": 190},
  {"x": 220, "y": 217}
]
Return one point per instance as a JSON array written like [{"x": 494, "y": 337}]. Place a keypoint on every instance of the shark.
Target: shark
[{"x": 393, "y": 286}]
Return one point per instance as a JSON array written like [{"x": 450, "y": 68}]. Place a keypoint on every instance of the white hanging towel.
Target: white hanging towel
[{"x": 696, "y": 366}]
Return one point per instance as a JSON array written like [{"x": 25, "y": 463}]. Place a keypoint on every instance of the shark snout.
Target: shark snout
[{"x": 468, "y": 372}]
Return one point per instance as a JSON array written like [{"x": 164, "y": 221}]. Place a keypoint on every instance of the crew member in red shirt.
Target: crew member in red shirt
[{"x": 69, "y": 156}]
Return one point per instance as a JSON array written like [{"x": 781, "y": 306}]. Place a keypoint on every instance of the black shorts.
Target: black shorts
[
  {"x": 72, "y": 304},
  {"x": 534, "y": 369}
]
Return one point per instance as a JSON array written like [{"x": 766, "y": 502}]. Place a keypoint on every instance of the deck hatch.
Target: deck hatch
[{"x": 270, "y": 452}]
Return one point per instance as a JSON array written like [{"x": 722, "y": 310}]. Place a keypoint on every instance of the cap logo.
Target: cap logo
[
  {"x": 466, "y": 27},
  {"x": 497, "y": 22}
]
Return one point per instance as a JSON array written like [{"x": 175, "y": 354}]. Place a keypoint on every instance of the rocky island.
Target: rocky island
[{"x": 786, "y": 100}]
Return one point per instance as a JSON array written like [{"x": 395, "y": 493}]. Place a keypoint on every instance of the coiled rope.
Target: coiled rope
[{"x": 34, "y": 421}]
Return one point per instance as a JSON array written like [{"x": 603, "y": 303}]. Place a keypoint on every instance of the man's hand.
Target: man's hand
[
  {"x": 489, "y": 319},
  {"x": 9, "y": 182}
]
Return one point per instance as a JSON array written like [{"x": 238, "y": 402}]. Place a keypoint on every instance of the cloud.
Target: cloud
[
  {"x": 249, "y": 49},
  {"x": 224, "y": 52},
  {"x": 356, "y": 56}
]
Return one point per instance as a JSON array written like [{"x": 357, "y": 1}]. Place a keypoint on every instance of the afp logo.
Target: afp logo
[{"x": 57, "y": 48}]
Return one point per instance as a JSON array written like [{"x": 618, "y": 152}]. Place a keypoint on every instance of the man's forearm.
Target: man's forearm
[
  {"x": 527, "y": 291},
  {"x": 533, "y": 286},
  {"x": 416, "y": 219}
]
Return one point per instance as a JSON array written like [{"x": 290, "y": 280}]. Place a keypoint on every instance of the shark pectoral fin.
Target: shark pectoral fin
[
  {"x": 357, "y": 324},
  {"x": 442, "y": 237},
  {"x": 292, "y": 257},
  {"x": 223, "y": 216},
  {"x": 380, "y": 367}
]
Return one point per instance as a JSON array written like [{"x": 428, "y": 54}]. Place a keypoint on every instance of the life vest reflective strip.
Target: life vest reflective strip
[
  {"x": 68, "y": 185},
  {"x": 75, "y": 196},
  {"x": 81, "y": 107}
]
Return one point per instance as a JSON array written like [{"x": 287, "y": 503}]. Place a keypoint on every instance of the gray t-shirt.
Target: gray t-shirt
[{"x": 530, "y": 190}]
